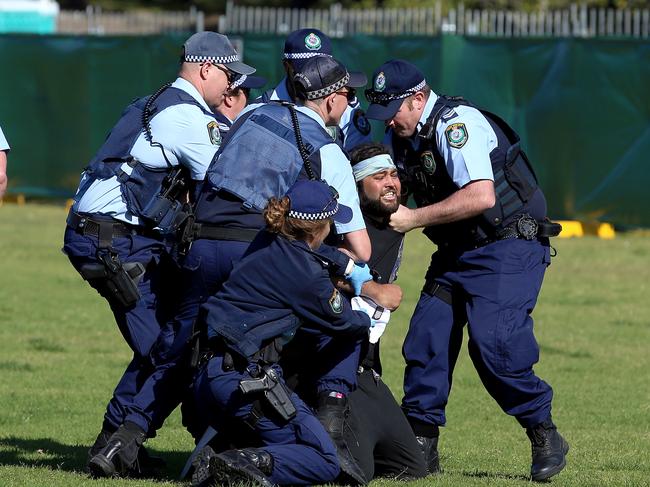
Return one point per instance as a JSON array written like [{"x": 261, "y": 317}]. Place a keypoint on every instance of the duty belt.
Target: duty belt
[
  {"x": 525, "y": 227},
  {"x": 433, "y": 289},
  {"x": 215, "y": 232},
  {"x": 95, "y": 227}
]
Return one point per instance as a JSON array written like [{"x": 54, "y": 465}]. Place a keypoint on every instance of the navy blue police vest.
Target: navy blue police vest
[
  {"x": 258, "y": 159},
  {"x": 426, "y": 177},
  {"x": 138, "y": 183}
]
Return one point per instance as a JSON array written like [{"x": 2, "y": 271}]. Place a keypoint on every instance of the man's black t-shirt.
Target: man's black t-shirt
[{"x": 385, "y": 261}]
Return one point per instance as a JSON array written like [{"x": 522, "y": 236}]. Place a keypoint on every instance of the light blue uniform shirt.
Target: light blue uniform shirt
[
  {"x": 351, "y": 134},
  {"x": 4, "y": 145},
  {"x": 336, "y": 170},
  {"x": 183, "y": 132},
  {"x": 471, "y": 162}
]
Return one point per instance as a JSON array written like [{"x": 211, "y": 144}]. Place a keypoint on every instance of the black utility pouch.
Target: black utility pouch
[
  {"x": 547, "y": 228},
  {"x": 519, "y": 173},
  {"x": 119, "y": 280}
]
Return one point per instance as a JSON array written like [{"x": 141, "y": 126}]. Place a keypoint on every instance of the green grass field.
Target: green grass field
[{"x": 61, "y": 354}]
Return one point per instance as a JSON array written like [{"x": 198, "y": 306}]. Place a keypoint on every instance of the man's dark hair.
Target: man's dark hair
[{"x": 366, "y": 151}]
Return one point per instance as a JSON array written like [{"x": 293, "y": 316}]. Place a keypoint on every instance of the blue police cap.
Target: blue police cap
[
  {"x": 316, "y": 200},
  {"x": 214, "y": 48},
  {"x": 391, "y": 83},
  {"x": 305, "y": 44},
  {"x": 321, "y": 76},
  {"x": 248, "y": 81}
]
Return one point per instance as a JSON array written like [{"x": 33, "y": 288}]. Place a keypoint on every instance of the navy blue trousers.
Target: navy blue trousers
[
  {"x": 205, "y": 268},
  {"x": 302, "y": 451},
  {"x": 494, "y": 290},
  {"x": 321, "y": 362},
  {"x": 139, "y": 324}
]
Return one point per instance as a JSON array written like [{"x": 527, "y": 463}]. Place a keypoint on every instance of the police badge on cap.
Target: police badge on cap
[
  {"x": 380, "y": 82},
  {"x": 312, "y": 42}
]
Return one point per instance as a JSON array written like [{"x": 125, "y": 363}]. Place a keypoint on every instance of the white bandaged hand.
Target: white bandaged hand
[{"x": 379, "y": 316}]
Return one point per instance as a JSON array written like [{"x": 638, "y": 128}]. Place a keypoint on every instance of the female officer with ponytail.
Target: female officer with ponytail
[{"x": 240, "y": 392}]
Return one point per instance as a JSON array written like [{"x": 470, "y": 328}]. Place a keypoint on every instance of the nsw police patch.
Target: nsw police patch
[
  {"x": 336, "y": 302},
  {"x": 312, "y": 42},
  {"x": 361, "y": 122},
  {"x": 214, "y": 134},
  {"x": 428, "y": 162},
  {"x": 456, "y": 135},
  {"x": 380, "y": 82}
]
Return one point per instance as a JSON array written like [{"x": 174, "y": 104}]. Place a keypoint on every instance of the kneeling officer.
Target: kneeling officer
[{"x": 278, "y": 285}]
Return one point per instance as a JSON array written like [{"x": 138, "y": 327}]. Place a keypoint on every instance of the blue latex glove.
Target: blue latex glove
[{"x": 359, "y": 275}]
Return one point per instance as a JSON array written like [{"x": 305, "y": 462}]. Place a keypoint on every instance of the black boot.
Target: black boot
[
  {"x": 119, "y": 456},
  {"x": 201, "y": 475},
  {"x": 232, "y": 467},
  {"x": 332, "y": 412},
  {"x": 549, "y": 450},
  {"x": 101, "y": 441},
  {"x": 429, "y": 446}
]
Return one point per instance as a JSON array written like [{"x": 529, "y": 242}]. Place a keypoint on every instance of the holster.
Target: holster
[
  {"x": 547, "y": 228},
  {"x": 276, "y": 393},
  {"x": 120, "y": 280}
]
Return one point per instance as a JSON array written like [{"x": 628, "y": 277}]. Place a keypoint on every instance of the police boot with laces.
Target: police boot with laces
[
  {"x": 120, "y": 455},
  {"x": 101, "y": 441},
  {"x": 549, "y": 450},
  {"x": 332, "y": 412},
  {"x": 429, "y": 447},
  {"x": 233, "y": 467}
]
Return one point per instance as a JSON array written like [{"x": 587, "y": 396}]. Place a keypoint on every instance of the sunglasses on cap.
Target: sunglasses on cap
[{"x": 384, "y": 98}]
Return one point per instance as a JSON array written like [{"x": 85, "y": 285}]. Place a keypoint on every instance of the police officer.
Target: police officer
[
  {"x": 268, "y": 148},
  {"x": 280, "y": 283},
  {"x": 162, "y": 390},
  {"x": 130, "y": 200},
  {"x": 479, "y": 202},
  {"x": 304, "y": 44},
  {"x": 235, "y": 100}
]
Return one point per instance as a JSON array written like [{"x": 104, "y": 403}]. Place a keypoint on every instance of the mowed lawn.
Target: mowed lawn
[{"x": 61, "y": 354}]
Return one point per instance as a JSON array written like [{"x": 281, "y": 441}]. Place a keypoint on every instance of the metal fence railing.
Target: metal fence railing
[
  {"x": 575, "y": 21},
  {"x": 95, "y": 21}
]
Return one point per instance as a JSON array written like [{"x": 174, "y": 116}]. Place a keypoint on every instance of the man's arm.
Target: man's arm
[
  {"x": 387, "y": 295},
  {"x": 357, "y": 244},
  {"x": 3, "y": 173},
  {"x": 471, "y": 200}
]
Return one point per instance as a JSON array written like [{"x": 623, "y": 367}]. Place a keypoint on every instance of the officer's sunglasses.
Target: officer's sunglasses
[
  {"x": 350, "y": 94},
  {"x": 230, "y": 76},
  {"x": 377, "y": 97}
]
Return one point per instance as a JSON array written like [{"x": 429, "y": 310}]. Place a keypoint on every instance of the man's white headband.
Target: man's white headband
[{"x": 373, "y": 165}]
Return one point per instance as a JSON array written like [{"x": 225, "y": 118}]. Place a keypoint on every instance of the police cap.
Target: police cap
[
  {"x": 392, "y": 82},
  {"x": 316, "y": 200},
  {"x": 214, "y": 48},
  {"x": 305, "y": 44},
  {"x": 321, "y": 76}
]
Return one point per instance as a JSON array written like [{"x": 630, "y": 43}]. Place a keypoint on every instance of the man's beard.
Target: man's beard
[{"x": 377, "y": 208}]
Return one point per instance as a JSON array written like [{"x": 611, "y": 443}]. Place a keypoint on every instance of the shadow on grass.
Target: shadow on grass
[
  {"x": 494, "y": 475},
  {"x": 49, "y": 453}
]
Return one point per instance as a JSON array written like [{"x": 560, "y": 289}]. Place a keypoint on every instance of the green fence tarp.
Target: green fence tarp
[{"x": 581, "y": 106}]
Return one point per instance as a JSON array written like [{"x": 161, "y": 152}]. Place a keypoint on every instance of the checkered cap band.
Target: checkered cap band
[
  {"x": 212, "y": 59},
  {"x": 313, "y": 95},
  {"x": 304, "y": 55},
  {"x": 380, "y": 97},
  {"x": 322, "y": 215},
  {"x": 238, "y": 82}
]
